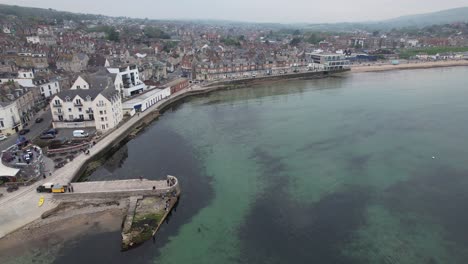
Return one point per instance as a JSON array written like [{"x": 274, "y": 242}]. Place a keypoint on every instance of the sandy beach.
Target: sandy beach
[
  {"x": 408, "y": 66},
  {"x": 69, "y": 222}
]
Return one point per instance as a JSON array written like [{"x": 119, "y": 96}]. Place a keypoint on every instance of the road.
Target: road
[{"x": 36, "y": 129}]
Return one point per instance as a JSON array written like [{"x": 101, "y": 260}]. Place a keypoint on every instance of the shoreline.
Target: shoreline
[
  {"x": 409, "y": 66},
  {"x": 41, "y": 225},
  {"x": 55, "y": 230}
]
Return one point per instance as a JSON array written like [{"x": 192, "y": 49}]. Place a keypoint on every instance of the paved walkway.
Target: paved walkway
[
  {"x": 117, "y": 186},
  {"x": 21, "y": 207}
]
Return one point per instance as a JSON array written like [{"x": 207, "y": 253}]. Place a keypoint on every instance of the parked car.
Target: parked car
[
  {"x": 24, "y": 131},
  {"x": 12, "y": 188},
  {"x": 46, "y": 187},
  {"x": 2, "y": 137},
  {"x": 47, "y": 136},
  {"x": 80, "y": 133},
  {"x": 22, "y": 141},
  {"x": 51, "y": 131},
  {"x": 39, "y": 119}
]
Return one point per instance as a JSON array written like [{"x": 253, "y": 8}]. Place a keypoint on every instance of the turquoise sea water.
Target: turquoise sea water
[{"x": 358, "y": 168}]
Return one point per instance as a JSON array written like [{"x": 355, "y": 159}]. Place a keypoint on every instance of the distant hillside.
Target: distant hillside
[
  {"x": 410, "y": 21},
  {"x": 422, "y": 20},
  {"x": 31, "y": 13}
]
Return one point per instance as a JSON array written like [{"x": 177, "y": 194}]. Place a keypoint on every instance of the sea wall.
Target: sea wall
[
  {"x": 299, "y": 75},
  {"x": 118, "y": 194}
]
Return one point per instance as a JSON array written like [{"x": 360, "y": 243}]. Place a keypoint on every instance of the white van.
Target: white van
[{"x": 80, "y": 133}]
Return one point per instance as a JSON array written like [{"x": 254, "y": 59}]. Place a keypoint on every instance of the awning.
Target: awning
[{"x": 7, "y": 171}]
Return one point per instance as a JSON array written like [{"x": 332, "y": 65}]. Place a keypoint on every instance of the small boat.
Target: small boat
[{"x": 41, "y": 201}]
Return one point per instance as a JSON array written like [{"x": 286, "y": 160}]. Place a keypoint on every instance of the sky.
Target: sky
[{"x": 286, "y": 11}]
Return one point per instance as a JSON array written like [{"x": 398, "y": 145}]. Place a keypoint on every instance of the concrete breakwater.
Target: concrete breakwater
[{"x": 149, "y": 203}]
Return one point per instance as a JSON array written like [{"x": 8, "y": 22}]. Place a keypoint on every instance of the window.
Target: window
[
  {"x": 78, "y": 101},
  {"x": 91, "y": 117},
  {"x": 1, "y": 124},
  {"x": 70, "y": 117},
  {"x": 59, "y": 110},
  {"x": 107, "y": 125},
  {"x": 100, "y": 112},
  {"x": 55, "y": 84},
  {"x": 105, "y": 112},
  {"x": 80, "y": 110},
  {"x": 69, "y": 109},
  {"x": 42, "y": 89},
  {"x": 49, "y": 87},
  {"x": 57, "y": 102},
  {"x": 103, "y": 127},
  {"x": 81, "y": 117},
  {"x": 78, "y": 87},
  {"x": 60, "y": 117},
  {"x": 67, "y": 99},
  {"x": 24, "y": 75},
  {"x": 102, "y": 119}
]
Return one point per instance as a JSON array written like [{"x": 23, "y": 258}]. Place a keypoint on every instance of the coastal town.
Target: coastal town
[{"x": 74, "y": 85}]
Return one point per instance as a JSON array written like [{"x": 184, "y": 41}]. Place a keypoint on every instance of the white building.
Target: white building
[
  {"x": 329, "y": 61},
  {"x": 10, "y": 120},
  {"x": 131, "y": 82},
  {"x": 6, "y": 30},
  {"x": 47, "y": 87},
  {"x": 23, "y": 78},
  {"x": 17, "y": 105},
  {"x": 146, "y": 100},
  {"x": 98, "y": 104},
  {"x": 33, "y": 39}
]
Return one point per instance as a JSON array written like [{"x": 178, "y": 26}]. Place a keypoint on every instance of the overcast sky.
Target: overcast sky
[{"x": 286, "y": 11}]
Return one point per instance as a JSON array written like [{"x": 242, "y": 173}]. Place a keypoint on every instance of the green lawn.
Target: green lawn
[{"x": 407, "y": 53}]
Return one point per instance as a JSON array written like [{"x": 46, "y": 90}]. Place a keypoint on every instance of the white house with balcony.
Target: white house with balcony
[
  {"x": 132, "y": 83},
  {"x": 97, "y": 105}
]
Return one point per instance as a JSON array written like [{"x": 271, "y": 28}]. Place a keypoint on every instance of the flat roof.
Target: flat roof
[{"x": 143, "y": 96}]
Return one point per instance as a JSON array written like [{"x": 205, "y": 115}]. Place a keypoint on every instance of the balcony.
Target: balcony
[{"x": 57, "y": 105}]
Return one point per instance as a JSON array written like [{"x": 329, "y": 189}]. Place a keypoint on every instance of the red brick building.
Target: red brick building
[{"x": 178, "y": 85}]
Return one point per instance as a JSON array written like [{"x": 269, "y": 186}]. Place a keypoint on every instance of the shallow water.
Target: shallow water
[{"x": 336, "y": 170}]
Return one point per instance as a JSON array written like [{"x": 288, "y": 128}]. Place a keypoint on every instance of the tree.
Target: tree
[
  {"x": 154, "y": 32},
  {"x": 295, "y": 41},
  {"x": 313, "y": 39},
  {"x": 113, "y": 35},
  {"x": 296, "y": 32}
]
